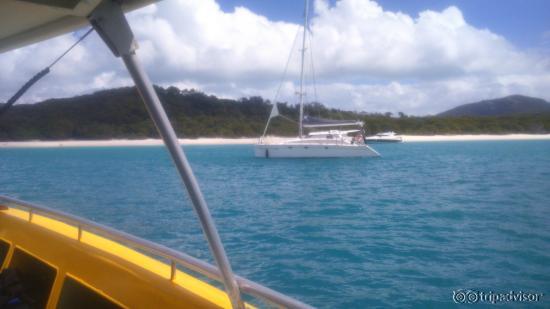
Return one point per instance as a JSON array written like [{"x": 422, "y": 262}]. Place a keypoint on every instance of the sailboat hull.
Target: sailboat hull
[{"x": 313, "y": 151}]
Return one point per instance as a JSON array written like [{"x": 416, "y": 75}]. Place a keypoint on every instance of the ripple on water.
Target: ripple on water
[{"x": 405, "y": 229}]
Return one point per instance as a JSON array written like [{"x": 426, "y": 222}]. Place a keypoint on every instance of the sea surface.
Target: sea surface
[{"x": 406, "y": 229}]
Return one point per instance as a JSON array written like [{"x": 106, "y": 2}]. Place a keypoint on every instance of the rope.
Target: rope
[
  {"x": 38, "y": 76},
  {"x": 312, "y": 68},
  {"x": 281, "y": 82},
  {"x": 289, "y": 119},
  {"x": 72, "y": 46},
  {"x": 286, "y": 67}
]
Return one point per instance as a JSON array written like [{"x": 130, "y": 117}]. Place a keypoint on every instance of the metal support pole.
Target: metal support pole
[
  {"x": 165, "y": 129},
  {"x": 110, "y": 23}
]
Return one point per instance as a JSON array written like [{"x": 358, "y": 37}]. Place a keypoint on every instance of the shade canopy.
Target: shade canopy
[
  {"x": 314, "y": 122},
  {"x": 24, "y": 22}
]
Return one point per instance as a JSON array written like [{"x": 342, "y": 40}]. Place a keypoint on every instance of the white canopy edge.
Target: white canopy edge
[
  {"x": 326, "y": 125},
  {"x": 333, "y": 132},
  {"x": 23, "y": 23}
]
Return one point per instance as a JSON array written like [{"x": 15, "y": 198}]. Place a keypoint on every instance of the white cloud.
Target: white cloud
[
  {"x": 365, "y": 58},
  {"x": 196, "y": 39},
  {"x": 432, "y": 97},
  {"x": 364, "y": 39}
]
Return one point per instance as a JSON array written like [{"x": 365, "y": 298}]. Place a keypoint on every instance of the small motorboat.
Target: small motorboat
[{"x": 384, "y": 137}]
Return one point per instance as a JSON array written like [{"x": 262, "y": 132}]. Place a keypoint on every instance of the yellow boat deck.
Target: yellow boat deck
[{"x": 64, "y": 266}]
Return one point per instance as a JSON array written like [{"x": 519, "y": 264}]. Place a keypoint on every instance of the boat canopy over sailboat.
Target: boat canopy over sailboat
[
  {"x": 333, "y": 143},
  {"x": 314, "y": 122}
]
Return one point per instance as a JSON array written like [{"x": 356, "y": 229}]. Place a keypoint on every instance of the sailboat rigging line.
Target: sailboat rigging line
[
  {"x": 286, "y": 66},
  {"x": 282, "y": 80},
  {"x": 289, "y": 119},
  {"x": 312, "y": 67},
  {"x": 72, "y": 46},
  {"x": 39, "y": 76},
  {"x": 280, "y": 115},
  {"x": 302, "y": 70}
]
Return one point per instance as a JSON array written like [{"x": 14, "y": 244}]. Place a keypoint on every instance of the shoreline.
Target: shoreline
[
  {"x": 474, "y": 137},
  {"x": 126, "y": 142},
  {"x": 252, "y": 140}
]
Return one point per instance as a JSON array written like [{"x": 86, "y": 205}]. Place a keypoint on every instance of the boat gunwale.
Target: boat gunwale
[{"x": 249, "y": 287}]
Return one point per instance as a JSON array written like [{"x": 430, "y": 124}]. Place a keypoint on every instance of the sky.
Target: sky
[
  {"x": 417, "y": 57},
  {"x": 521, "y": 22}
]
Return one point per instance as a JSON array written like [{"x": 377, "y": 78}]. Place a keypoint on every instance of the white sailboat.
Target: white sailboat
[{"x": 320, "y": 144}]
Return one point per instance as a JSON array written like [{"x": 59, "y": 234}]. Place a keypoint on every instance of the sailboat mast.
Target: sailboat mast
[{"x": 302, "y": 69}]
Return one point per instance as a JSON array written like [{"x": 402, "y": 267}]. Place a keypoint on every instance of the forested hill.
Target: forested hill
[
  {"x": 510, "y": 105},
  {"x": 119, "y": 113}
]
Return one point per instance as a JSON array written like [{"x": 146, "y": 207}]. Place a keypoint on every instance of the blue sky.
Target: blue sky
[{"x": 522, "y": 22}]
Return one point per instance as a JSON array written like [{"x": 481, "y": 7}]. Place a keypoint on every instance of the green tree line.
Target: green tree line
[{"x": 119, "y": 113}]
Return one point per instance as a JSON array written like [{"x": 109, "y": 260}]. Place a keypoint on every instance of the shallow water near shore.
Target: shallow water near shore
[{"x": 404, "y": 229}]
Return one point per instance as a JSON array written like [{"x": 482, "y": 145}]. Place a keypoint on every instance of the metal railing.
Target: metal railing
[{"x": 174, "y": 257}]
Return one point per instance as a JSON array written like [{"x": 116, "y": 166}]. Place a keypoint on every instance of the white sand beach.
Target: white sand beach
[
  {"x": 124, "y": 142},
  {"x": 249, "y": 141},
  {"x": 480, "y": 137}
]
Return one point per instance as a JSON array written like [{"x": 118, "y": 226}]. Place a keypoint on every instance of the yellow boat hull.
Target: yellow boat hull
[{"x": 65, "y": 256}]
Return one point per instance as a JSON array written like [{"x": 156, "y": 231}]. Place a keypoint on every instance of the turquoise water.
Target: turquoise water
[{"x": 404, "y": 229}]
